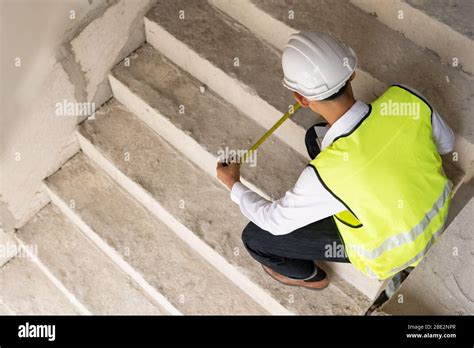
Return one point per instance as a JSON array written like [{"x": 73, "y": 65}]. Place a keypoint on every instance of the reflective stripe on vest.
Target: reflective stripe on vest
[
  {"x": 388, "y": 174},
  {"x": 410, "y": 236}
]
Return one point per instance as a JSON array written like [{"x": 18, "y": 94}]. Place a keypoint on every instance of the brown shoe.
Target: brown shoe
[{"x": 318, "y": 285}]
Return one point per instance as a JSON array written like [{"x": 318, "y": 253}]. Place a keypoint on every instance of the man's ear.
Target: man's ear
[{"x": 300, "y": 99}]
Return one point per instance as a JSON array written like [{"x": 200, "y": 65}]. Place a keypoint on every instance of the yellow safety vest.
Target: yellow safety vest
[{"x": 388, "y": 174}]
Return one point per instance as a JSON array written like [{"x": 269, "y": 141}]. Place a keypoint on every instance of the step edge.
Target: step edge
[
  {"x": 457, "y": 40},
  {"x": 217, "y": 80},
  {"x": 267, "y": 32},
  {"x": 254, "y": 291},
  {"x": 290, "y": 132},
  {"x": 165, "y": 128},
  {"x": 279, "y": 42},
  {"x": 7, "y": 307},
  {"x": 112, "y": 254},
  {"x": 54, "y": 280}
]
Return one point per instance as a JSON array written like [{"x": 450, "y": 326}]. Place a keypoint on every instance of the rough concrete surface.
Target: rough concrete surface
[
  {"x": 259, "y": 63},
  {"x": 437, "y": 35},
  {"x": 203, "y": 205},
  {"x": 277, "y": 33},
  {"x": 82, "y": 268},
  {"x": 165, "y": 261},
  {"x": 187, "y": 43},
  {"x": 442, "y": 283},
  {"x": 386, "y": 55},
  {"x": 464, "y": 193},
  {"x": 5, "y": 310},
  {"x": 29, "y": 127},
  {"x": 457, "y": 14},
  {"x": 105, "y": 41},
  {"x": 455, "y": 174},
  {"x": 24, "y": 289},
  {"x": 215, "y": 124},
  {"x": 35, "y": 141},
  {"x": 209, "y": 120},
  {"x": 8, "y": 247}
]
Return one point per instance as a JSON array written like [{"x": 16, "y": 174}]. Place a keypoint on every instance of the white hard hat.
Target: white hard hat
[{"x": 315, "y": 65}]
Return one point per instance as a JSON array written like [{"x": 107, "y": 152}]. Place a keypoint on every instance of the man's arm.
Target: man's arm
[
  {"x": 308, "y": 201},
  {"x": 443, "y": 135}
]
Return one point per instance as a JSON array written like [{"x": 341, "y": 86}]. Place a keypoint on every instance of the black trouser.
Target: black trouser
[{"x": 292, "y": 254}]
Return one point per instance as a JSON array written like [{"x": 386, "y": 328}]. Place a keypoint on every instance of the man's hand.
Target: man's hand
[{"x": 229, "y": 174}]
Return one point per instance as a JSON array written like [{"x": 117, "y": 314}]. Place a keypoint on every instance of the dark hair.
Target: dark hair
[{"x": 337, "y": 94}]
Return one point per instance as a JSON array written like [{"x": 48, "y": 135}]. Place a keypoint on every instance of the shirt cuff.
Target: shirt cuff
[{"x": 238, "y": 189}]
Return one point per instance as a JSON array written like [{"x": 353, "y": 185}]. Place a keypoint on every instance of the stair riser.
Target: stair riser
[
  {"x": 277, "y": 33},
  {"x": 23, "y": 278},
  {"x": 229, "y": 88},
  {"x": 366, "y": 87},
  {"x": 76, "y": 266},
  {"x": 437, "y": 36},
  {"x": 165, "y": 306},
  {"x": 212, "y": 257},
  {"x": 167, "y": 130},
  {"x": 54, "y": 280}
]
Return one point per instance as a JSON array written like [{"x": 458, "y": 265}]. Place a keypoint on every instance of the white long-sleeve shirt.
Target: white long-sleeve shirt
[{"x": 308, "y": 201}]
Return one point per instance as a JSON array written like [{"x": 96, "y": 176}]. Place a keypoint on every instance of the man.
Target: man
[{"x": 374, "y": 188}]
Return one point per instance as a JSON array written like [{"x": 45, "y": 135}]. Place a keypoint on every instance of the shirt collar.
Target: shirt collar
[{"x": 345, "y": 123}]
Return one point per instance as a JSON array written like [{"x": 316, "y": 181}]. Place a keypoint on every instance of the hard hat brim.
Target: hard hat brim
[{"x": 319, "y": 96}]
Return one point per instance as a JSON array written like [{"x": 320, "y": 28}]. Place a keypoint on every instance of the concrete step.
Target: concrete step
[
  {"x": 5, "y": 310},
  {"x": 463, "y": 195},
  {"x": 8, "y": 244},
  {"x": 154, "y": 89},
  {"x": 457, "y": 14},
  {"x": 26, "y": 290},
  {"x": 207, "y": 44},
  {"x": 199, "y": 210},
  {"x": 396, "y": 56},
  {"x": 209, "y": 125},
  {"x": 163, "y": 260},
  {"x": 85, "y": 271},
  {"x": 447, "y": 25},
  {"x": 442, "y": 284},
  {"x": 255, "y": 84},
  {"x": 454, "y": 173}
]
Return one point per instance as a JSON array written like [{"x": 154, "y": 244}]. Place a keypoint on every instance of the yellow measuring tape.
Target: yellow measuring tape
[{"x": 260, "y": 141}]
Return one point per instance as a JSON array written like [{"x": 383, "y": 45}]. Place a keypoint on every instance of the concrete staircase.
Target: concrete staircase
[
  {"x": 442, "y": 284},
  {"x": 138, "y": 223}
]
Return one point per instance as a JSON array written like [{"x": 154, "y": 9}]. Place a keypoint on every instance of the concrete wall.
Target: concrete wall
[{"x": 53, "y": 51}]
